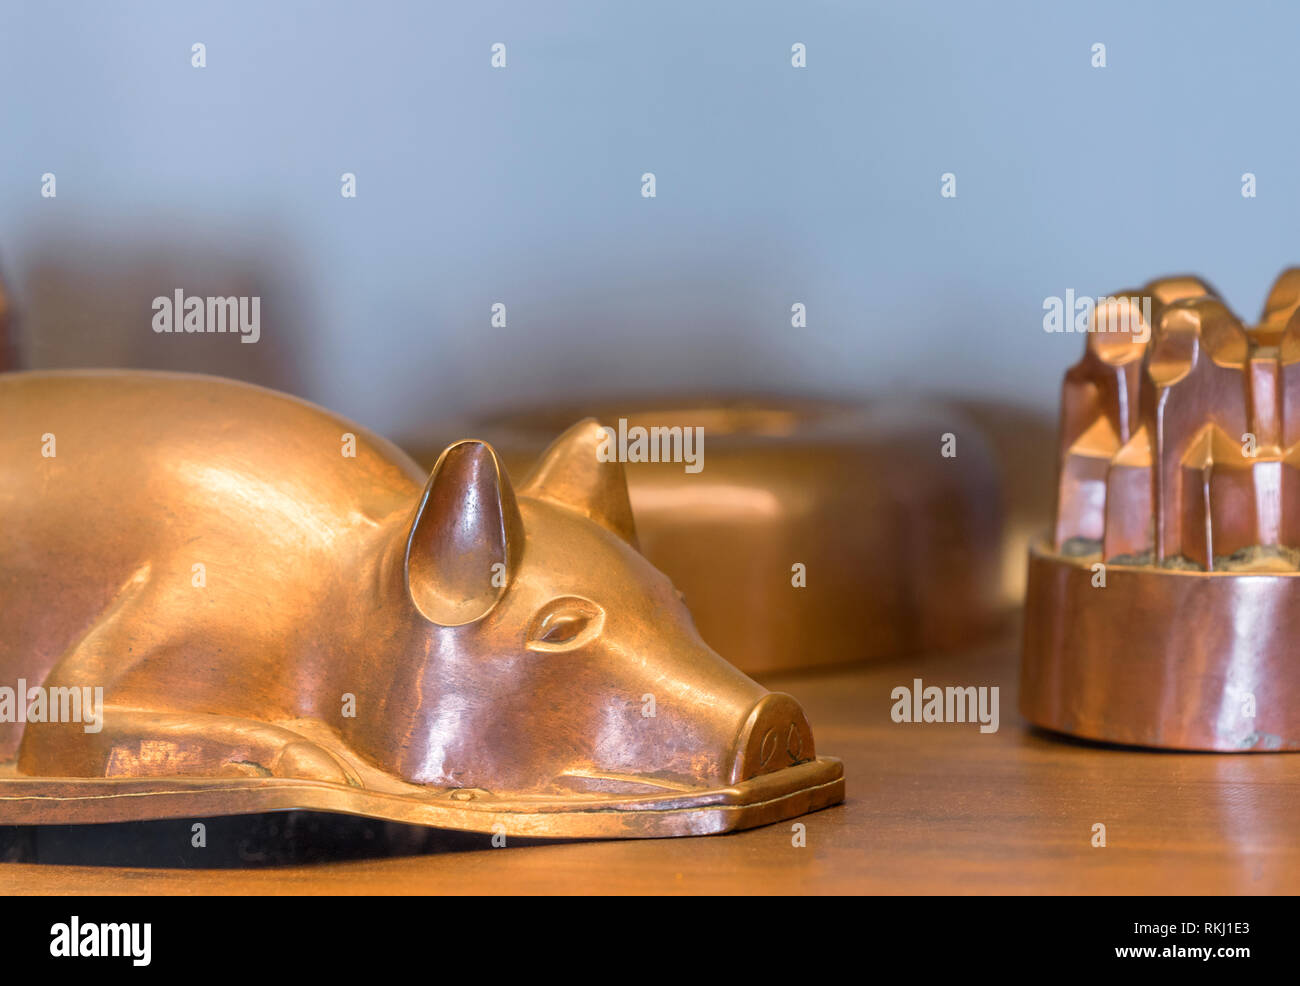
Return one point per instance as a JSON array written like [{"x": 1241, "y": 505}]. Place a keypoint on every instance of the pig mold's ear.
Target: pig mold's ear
[
  {"x": 580, "y": 472},
  {"x": 466, "y": 538}
]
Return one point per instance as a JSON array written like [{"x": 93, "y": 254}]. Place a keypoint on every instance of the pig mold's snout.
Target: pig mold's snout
[{"x": 775, "y": 735}]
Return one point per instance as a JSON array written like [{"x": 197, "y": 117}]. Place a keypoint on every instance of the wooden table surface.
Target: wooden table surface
[{"x": 934, "y": 808}]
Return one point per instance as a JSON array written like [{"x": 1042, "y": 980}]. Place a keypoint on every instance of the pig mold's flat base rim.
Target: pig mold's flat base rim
[
  {"x": 1162, "y": 658},
  {"x": 762, "y": 800}
]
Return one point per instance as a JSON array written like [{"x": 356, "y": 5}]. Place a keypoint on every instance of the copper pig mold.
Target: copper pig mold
[
  {"x": 1163, "y": 609},
  {"x": 279, "y": 625}
]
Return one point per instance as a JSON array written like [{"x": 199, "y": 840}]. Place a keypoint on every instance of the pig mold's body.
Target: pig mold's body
[
  {"x": 206, "y": 552},
  {"x": 145, "y": 508}
]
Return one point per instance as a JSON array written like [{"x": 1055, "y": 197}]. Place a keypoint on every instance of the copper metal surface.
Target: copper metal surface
[
  {"x": 899, "y": 544},
  {"x": 1164, "y": 609},
  {"x": 284, "y": 611}
]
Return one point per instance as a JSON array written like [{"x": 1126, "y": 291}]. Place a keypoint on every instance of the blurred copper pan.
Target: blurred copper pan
[
  {"x": 899, "y": 543},
  {"x": 8, "y": 343}
]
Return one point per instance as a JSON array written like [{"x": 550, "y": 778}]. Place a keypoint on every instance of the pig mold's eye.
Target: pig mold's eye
[{"x": 565, "y": 623}]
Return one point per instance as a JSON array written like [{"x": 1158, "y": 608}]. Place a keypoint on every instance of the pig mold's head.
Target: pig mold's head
[{"x": 551, "y": 656}]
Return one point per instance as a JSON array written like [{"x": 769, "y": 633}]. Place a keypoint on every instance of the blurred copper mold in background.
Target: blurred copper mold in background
[
  {"x": 8, "y": 331},
  {"x": 1165, "y": 607},
  {"x": 898, "y": 543},
  {"x": 282, "y": 611}
]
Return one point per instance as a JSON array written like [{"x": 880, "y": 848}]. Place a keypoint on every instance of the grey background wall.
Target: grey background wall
[{"x": 522, "y": 185}]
